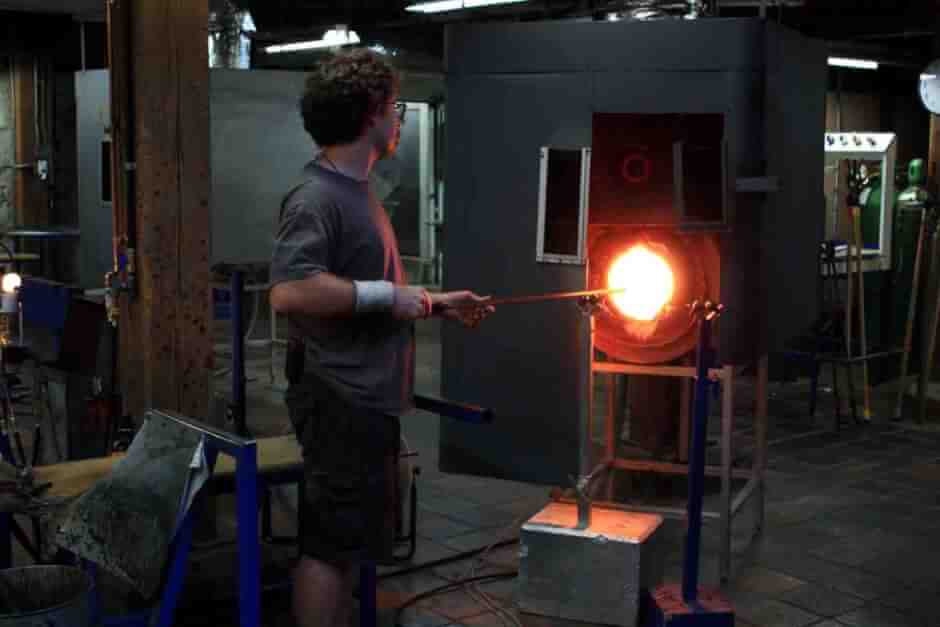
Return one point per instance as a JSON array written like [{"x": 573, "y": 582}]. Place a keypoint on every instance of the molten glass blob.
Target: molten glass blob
[{"x": 646, "y": 279}]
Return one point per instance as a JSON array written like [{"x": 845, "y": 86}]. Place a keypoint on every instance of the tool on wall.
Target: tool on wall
[
  {"x": 915, "y": 199},
  {"x": 857, "y": 181},
  {"x": 929, "y": 326}
]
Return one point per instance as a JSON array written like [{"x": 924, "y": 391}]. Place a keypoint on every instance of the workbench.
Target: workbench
[{"x": 279, "y": 461}]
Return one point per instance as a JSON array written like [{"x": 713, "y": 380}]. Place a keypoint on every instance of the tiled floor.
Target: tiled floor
[{"x": 851, "y": 537}]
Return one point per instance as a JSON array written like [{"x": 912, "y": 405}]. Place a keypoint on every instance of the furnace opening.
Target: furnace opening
[{"x": 647, "y": 281}]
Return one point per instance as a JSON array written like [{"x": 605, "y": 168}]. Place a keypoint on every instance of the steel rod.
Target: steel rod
[
  {"x": 659, "y": 371},
  {"x": 745, "y": 494},
  {"x": 669, "y": 468},
  {"x": 862, "y": 323},
  {"x": 533, "y": 298},
  {"x": 697, "y": 466},
  {"x": 931, "y": 320},
  {"x": 911, "y": 314},
  {"x": 727, "y": 427}
]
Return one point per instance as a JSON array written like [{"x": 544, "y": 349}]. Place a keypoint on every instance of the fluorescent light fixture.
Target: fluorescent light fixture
[
  {"x": 436, "y": 7},
  {"x": 333, "y": 38},
  {"x": 857, "y": 64},
  {"x": 440, "y": 6},
  {"x": 928, "y": 77}
]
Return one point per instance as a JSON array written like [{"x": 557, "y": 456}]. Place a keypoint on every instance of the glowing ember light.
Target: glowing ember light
[
  {"x": 11, "y": 282},
  {"x": 647, "y": 280}
]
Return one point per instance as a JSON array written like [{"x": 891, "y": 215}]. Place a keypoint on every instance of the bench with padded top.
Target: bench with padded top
[{"x": 279, "y": 461}]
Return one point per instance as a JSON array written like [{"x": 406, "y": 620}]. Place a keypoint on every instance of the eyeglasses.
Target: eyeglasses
[{"x": 401, "y": 108}]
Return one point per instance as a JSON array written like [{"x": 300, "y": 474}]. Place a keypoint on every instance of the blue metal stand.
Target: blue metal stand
[
  {"x": 249, "y": 550},
  {"x": 368, "y": 610},
  {"x": 688, "y": 605}
]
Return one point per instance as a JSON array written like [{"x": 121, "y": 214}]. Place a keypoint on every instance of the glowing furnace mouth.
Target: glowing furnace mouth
[{"x": 647, "y": 281}]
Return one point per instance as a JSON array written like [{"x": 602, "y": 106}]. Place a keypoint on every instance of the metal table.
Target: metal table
[{"x": 46, "y": 235}]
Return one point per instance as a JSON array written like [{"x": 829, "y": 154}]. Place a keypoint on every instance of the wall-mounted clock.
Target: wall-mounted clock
[{"x": 930, "y": 87}]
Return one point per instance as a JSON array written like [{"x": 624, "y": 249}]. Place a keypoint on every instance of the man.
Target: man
[{"x": 337, "y": 274}]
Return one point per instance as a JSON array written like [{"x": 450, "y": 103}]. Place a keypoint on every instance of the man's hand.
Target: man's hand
[{"x": 464, "y": 307}]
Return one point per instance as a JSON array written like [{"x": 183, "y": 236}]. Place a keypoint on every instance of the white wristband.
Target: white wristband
[{"x": 374, "y": 296}]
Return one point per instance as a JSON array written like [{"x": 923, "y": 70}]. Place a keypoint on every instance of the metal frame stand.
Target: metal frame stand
[
  {"x": 688, "y": 605},
  {"x": 245, "y": 453},
  {"x": 730, "y": 503}
]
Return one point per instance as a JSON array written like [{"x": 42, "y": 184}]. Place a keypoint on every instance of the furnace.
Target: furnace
[{"x": 683, "y": 173}]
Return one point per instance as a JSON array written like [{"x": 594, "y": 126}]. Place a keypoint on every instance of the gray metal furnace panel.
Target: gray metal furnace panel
[
  {"x": 794, "y": 220},
  {"x": 579, "y": 46},
  {"x": 93, "y": 110},
  {"x": 515, "y": 88},
  {"x": 520, "y": 362},
  {"x": 259, "y": 148}
]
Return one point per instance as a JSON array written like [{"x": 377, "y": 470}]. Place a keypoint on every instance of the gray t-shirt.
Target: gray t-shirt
[{"x": 332, "y": 223}]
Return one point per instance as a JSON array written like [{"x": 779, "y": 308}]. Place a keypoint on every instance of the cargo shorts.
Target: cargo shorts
[{"x": 350, "y": 501}]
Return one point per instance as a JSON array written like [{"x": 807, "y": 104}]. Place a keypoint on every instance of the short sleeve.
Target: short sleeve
[{"x": 303, "y": 244}]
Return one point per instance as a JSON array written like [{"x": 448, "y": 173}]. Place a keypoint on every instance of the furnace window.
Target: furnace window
[{"x": 563, "y": 181}]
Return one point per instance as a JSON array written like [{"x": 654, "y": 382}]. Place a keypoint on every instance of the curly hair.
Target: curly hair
[{"x": 342, "y": 92}]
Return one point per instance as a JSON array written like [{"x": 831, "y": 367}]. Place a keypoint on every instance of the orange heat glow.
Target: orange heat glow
[{"x": 646, "y": 279}]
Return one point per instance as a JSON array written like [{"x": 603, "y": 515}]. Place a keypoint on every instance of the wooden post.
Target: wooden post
[
  {"x": 159, "y": 54},
  {"x": 30, "y": 197}
]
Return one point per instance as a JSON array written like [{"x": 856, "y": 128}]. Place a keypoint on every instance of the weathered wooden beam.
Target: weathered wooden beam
[
  {"x": 167, "y": 350},
  {"x": 30, "y": 196},
  {"x": 130, "y": 357}
]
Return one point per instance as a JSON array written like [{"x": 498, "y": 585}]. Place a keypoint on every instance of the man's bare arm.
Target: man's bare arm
[
  {"x": 328, "y": 296},
  {"x": 324, "y": 295}
]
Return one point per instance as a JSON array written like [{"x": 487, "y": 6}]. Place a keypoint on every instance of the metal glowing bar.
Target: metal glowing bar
[
  {"x": 331, "y": 39},
  {"x": 441, "y": 6},
  {"x": 856, "y": 64}
]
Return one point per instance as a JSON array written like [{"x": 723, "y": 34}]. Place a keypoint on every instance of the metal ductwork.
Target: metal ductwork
[
  {"x": 229, "y": 46},
  {"x": 644, "y": 10}
]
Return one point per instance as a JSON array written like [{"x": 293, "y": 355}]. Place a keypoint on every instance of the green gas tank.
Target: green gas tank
[{"x": 906, "y": 230}]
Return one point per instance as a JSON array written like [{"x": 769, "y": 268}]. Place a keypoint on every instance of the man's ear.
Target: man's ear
[{"x": 373, "y": 118}]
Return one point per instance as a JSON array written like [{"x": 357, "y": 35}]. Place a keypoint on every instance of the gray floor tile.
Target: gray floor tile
[
  {"x": 919, "y": 604},
  {"x": 484, "y": 516},
  {"x": 876, "y": 615},
  {"x": 409, "y": 585},
  {"x": 444, "y": 504},
  {"x": 477, "y": 540},
  {"x": 860, "y": 549},
  {"x": 843, "y": 578},
  {"x": 436, "y": 527},
  {"x": 457, "y": 605},
  {"x": 412, "y": 618},
  {"x": 426, "y": 551},
  {"x": 534, "y": 620},
  {"x": 471, "y": 567},
  {"x": 912, "y": 569},
  {"x": 764, "y": 581},
  {"x": 490, "y": 619},
  {"x": 822, "y": 600},
  {"x": 774, "y": 613}
]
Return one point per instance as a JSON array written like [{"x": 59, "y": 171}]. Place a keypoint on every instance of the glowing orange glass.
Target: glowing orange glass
[{"x": 647, "y": 281}]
